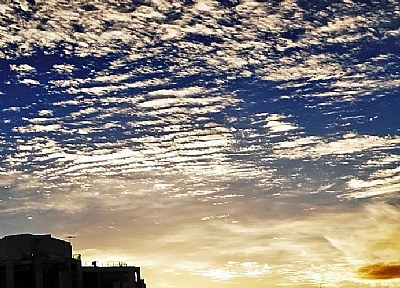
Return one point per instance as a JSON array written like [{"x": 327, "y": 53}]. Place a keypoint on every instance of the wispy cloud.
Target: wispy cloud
[
  {"x": 350, "y": 143},
  {"x": 239, "y": 138},
  {"x": 145, "y": 29}
]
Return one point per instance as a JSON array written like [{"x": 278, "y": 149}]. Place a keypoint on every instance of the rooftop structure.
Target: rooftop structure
[{"x": 26, "y": 245}]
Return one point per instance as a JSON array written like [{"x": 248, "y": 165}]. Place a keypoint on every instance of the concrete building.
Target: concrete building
[
  {"x": 112, "y": 277},
  {"x": 40, "y": 261}
]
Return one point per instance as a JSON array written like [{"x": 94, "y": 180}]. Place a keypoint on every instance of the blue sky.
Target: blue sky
[{"x": 212, "y": 143}]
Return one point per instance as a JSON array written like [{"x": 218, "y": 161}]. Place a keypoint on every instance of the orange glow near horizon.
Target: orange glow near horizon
[
  {"x": 317, "y": 249},
  {"x": 213, "y": 143}
]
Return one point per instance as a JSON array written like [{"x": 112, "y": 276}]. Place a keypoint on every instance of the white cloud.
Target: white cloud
[
  {"x": 235, "y": 269},
  {"x": 29, "y": 82},
  {"x": 22, "y": 68},
  {"x": 64, "y": 68},
  {"x": 382, "y": 182},
  {"x": 237, "y": 48},
  {"x": 350, "y": 143}
]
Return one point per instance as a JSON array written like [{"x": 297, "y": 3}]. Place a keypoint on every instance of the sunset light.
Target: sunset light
[{"x": 212, "y": 143}]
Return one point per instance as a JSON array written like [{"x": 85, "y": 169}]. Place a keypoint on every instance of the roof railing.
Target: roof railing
[{"x": 104, "y": 264}]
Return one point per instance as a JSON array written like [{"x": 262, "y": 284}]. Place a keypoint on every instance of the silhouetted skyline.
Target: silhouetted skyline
[
  {"x": 41, "y": 261},
  {"x": 218, "y": 143}
]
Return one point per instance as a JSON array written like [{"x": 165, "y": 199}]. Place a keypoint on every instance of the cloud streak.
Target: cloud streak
[
  {"x": 380, "y": 271},
  {"x": 222, "y": 144}
]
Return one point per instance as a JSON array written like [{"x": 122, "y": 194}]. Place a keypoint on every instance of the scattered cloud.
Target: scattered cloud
[
  {"x": 153, "y": 100},
  {"x": 235, "y": 269},
  {"x": 350, "y": 143},
  {"x": 146, "y": 31}
]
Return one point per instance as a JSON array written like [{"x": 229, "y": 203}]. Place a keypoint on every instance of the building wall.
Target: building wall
[
  {"x": 41, "y": 273},
  {"x": 112, "y": 277},
  {"x": 3, "y": 278},
  {"x": 38, "y": 261}
]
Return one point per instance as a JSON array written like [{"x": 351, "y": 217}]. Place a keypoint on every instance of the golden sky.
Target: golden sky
[{"x": 229, "y": 143}]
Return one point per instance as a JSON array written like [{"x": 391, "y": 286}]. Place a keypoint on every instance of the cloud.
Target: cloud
[
  {"x": 380, "y": 182},
  {"x": 23, "y": 68},
  {"x": 64, "y": 68},
  {"x": 319, "y": 248},
  {"x": 266, "y": 32},
  {"x": 275, "y": 124},
  {"x": 380, "y": 271},
  {"x": 350, "y": 143},
  {"x": 143, "y": 135},
  {"x": 235, "y": 269}
]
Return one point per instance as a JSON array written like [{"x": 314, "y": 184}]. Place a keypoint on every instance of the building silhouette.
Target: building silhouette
[{"x": 41, "y": 261}]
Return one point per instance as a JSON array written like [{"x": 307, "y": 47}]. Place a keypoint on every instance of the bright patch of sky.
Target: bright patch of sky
[{"x": 242, "y": 142}]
